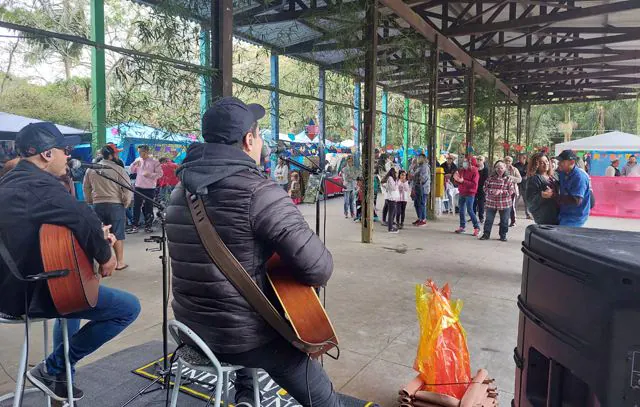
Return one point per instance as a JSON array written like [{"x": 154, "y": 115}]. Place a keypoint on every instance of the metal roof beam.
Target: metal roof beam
[
  {"x": 560, "y": 46},
  {"x": 445, "y": 44},
  {"x": 569, "y": 15},
  {"x": 561, "y": 77},
  {"x": 524, "y": 66}
]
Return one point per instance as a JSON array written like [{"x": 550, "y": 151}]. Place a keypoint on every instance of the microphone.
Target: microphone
[{"x": 75, "y": 164}]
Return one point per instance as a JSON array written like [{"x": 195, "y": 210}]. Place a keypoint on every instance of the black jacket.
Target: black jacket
[
  {"x": 255, "y": 218},
  {"x": 484, "y": 175},
  {"x": 544, "y": 211},
  {"x": 29, "y": 198}
]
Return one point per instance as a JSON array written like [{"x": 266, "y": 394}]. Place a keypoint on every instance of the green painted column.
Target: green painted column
[
  {"x": 405, "y": 138},
  {"x": 98, "y": 83},
  {"x": 423, "y": 134},
  {"x": 204, "y": 41}
]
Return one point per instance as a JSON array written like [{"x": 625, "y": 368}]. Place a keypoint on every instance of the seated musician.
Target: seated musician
[
  {"x": 255, "y": 218},
  {"x": 31, "y": 195}
]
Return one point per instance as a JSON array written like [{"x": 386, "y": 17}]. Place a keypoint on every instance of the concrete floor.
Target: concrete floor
[{"x": 370, "y": 299}]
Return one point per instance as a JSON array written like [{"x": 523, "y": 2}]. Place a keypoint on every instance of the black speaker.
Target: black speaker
[{"x": 579, "y": 329}]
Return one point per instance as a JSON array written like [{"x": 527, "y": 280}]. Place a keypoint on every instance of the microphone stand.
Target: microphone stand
[{"x": 165, "y": 372}]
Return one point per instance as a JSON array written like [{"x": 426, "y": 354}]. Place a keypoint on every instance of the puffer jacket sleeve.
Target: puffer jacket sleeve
[{"x": 275, "y": 219}]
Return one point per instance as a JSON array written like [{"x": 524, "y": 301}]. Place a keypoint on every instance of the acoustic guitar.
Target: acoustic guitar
[
  {"x": 60, "y": 250},
  {"x": 302, "y": 307}
]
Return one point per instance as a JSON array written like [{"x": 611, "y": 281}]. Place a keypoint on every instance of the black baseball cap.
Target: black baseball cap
[
  {"x": 567, "y": 155},
  {"x": 35, "y": 138},
  {"x": 229, "y": 119}
]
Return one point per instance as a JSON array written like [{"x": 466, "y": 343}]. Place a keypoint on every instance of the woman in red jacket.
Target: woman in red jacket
[{"x": 467, "y": 180}]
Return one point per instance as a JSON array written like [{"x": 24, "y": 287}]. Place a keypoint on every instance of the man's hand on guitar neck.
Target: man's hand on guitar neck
[{"x": 109, "y": 267}]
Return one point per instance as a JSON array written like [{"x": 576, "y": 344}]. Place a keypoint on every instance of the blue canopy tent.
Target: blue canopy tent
[
  {"x": 128, "y": 136},
  {"x": 11, "y": 124}
]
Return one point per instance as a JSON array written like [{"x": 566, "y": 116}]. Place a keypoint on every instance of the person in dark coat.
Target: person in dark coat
[
  {"x": 540, "y": 190},
  {"x": 255, "y": 218},
  {"x": 479, "y": 203}
]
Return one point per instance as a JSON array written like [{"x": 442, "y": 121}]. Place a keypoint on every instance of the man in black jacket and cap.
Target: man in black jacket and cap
[
  {"x": 255, "y": 218},
  {"x": 31, "y": 195}
]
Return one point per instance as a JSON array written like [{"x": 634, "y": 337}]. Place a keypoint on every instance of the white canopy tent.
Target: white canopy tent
[
  {"x": 612, "y": 141},
  {"x": 11, "y": 124}
]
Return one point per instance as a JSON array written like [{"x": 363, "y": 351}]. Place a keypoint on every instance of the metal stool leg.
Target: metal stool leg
[
  {"x": 67, "y": 364},
  {"x": 45, "y": 327},
  {"x": 225, "y": 383},
  {"x": 176, "y": 384},
  {"x": 22, "y": 368},
  {"x": 219, "y": 384},
  {"x": 256, "y": 389}
]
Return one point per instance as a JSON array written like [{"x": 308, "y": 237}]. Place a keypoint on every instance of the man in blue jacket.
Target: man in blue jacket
[{"x": 574, "y": 196}]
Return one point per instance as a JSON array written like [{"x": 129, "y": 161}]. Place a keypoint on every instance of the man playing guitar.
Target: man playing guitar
[
  {"x": 255, "y": 218},
  {"x": 31, "y": 195}
]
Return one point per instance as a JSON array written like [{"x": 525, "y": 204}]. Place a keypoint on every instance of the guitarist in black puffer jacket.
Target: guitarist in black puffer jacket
[{"x": 255, "y": 218}]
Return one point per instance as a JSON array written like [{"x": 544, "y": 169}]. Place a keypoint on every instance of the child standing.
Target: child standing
[
  {"x": 390, "y": 181},
  {"x": 404, "y": 190},
  {"x": 295, "y": 191}
]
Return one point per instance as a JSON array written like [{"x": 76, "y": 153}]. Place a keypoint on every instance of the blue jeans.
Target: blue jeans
[
  {"x": 421, "y": 205},
  {"x": 466, "y": 202},
  {"x": 349, "y": 203},
  {"x": 114, "y": 311},
  {"x": 504, "y": 221}
]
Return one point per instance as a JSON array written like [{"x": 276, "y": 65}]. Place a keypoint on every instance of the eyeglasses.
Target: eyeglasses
[{"x": 67, "y": 150}]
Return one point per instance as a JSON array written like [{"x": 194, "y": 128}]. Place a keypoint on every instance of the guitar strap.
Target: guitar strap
[
  {"x": 9, "y": 262},
  {"x": 238, "y": 276}
]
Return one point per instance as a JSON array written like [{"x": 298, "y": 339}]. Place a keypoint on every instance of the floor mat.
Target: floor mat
[{"x": 111, "y": 382}]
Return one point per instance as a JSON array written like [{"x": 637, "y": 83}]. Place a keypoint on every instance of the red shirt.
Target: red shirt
[{"x": 169, "y": 178}]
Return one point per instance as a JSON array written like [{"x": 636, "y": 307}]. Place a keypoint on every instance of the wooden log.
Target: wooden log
[
  {"x": 477, "y": 390},
  {"x": 437, "y": 398},
  {"x": 412, "y": 387}
]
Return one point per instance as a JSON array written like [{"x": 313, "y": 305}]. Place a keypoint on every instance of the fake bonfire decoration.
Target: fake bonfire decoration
[{"x": 442, "y": 358}]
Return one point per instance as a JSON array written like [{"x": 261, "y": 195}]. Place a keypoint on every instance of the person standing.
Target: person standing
[
  {"x": 282, "y": 173},
  {"x": 449, "y": 167},
  {"x": 116, "y": 154},
  {"x": 499, "y": 188},
  {"x": 517, "y": 179},
  {"x": 148, "y": 171},
  {"x": 467, "y": 179},
  {"x": 574, "y": 196},
  {"x": 421, "y": 188},
  {"x": 169, "y": 180},
  {"x": 541, "y": 190},
  {"x": 390, "y": 181},
  {"x": 612, "y": 170},
  {"x": 349, "y": 175},
  {"x": 631, "y": 168},
  {"x": 404, "y": 190},
  {"x": 109, "y": 200},
  {"x": 479, "y": 203},
  {"x": 521, "y": 166}
]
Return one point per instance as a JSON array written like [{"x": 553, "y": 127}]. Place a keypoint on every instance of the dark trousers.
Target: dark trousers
[
  {"x": 385, "y": 210},
  {"x": 522, "y": 187},
  {"x": 146, "y": 206},
  {"x": 478, "y": 205},
  {"x": 358, "y": 209},
  {"x": 391, "y": 206},
  {"x": 401, "y": 207},
  {"x": 504, "y": 221},
  {"x": 288, "y": 367}
]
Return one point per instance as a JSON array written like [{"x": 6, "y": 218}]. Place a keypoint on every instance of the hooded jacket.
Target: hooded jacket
[
  {"x": 255, "y": 218},
  {"x": 471, "y": 177}
]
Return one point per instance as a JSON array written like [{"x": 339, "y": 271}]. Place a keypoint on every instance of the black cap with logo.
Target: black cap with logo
[
  {"x": 229, "y": 119},
  {"x": 36, "y": 138},
  {"x": 567, "y": 155}
]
